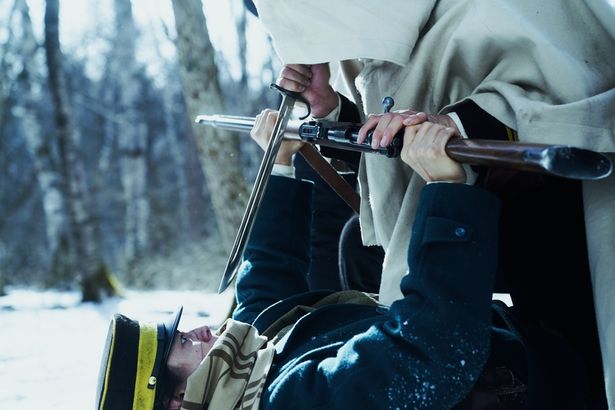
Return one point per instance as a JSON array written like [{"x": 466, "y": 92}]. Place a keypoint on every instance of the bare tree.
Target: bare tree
[
  {"x": 87, "y": 260},
  {"x": 41, "y": 148},
  {"x": 131, "y": 134},
  {"x": 172, "y": 90},
  {"x": 242, "y": 23},
  {"x": 5, "y": 64},
  {"x": 219, "y": 150}
]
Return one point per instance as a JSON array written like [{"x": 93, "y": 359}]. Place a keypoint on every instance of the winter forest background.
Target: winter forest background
[
  {"x": 111, "y": 198},
  {"x": 105, "y": 181}
]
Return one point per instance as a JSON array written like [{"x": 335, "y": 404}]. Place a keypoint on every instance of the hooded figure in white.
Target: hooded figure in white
[{"x": 544, "y": 69}]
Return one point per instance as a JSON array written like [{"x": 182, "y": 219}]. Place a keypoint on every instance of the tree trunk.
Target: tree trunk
[
  {"x": 131, "y": 134},
  {"x": 88, "y": 262},
  {"x": 219, "y": 149},
  {"x": 242, "y": 24},
  {"x": 49, "y": 180},
  {"x": 5, "y": 60},
  {"x": 188, "y": 230}
]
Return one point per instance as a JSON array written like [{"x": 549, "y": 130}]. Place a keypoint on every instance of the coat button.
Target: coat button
[{"x": 460, "y": 232}]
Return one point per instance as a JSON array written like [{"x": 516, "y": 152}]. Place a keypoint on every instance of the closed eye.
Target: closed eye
[{"x": 182, "y": 339}]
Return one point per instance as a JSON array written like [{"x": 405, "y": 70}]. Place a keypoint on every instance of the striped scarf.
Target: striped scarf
[{"x": 233, "y": 373}]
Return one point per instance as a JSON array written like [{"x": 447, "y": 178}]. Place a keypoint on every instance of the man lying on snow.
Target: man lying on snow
[{"x": 288, "y": 348}]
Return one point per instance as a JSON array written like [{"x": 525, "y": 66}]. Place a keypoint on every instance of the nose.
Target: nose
[{"x": 202, "y": 334}]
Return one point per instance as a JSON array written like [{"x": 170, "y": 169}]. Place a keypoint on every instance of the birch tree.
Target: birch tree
[
  {"x": 87, "y": 260},
  {"x": 219, "y": 149},
  {"x": 131, "y": 134},
  {"x": 188, "y": 231},
  {"x": 40, "y": 147},
  {"x": 242, "y": 23},
  {"x": 4, "y": 60}
]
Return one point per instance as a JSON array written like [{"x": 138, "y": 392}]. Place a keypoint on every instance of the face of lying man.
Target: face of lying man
[{"x": 188, "y": 350}]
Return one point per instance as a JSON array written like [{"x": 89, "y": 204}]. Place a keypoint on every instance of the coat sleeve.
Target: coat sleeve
[
  {"x": 428, "y": 349},
  {"x": 277, "y": 256}
]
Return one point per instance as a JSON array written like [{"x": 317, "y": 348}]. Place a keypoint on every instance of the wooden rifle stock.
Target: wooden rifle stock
[
  {"x": 559, "y": 160},
  {"x": 494, "y": 153}
]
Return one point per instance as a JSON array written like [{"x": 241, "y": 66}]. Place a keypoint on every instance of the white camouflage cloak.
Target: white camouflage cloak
[{"x": 543, "y": 68}]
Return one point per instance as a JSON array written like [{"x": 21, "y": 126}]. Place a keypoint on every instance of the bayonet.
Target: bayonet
[{"x": 262, "y": 177}]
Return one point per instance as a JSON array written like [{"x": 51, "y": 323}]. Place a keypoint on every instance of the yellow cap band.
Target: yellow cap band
[{"x": 148, "y": 344}]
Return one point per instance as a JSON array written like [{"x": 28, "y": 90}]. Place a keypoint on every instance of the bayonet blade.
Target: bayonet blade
[{"x": 256, "y": 196}]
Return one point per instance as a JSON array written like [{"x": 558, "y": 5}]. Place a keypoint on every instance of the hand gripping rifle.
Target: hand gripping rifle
[{"x": 558, "y": 160}]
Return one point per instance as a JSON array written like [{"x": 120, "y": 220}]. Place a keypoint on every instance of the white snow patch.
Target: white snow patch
[{"x": 51, "y": 344}]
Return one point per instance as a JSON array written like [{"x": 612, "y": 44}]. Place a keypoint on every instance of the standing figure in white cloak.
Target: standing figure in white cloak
[{"x": 543, "y": 69}]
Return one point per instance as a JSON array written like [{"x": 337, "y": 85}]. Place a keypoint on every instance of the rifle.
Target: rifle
[
  {"x": 558, "y": 160},
  {"x": 563, "y": 161},
  {"x": 341, "y": 135}
]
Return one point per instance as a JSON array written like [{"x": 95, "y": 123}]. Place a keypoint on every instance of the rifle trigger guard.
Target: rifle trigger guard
[{"x": 296, "y": 96}]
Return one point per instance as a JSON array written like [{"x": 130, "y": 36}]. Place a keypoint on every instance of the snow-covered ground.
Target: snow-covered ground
[{"x": 51, "y": 345}]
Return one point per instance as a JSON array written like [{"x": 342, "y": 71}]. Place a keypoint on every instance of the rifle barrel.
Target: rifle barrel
[
  {"x": 243, "y": 124},
  {"x": 227, "y": 122}
]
